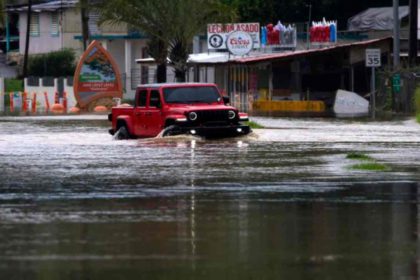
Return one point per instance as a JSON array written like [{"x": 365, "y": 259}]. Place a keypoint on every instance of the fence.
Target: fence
[{"x": 38, "y": 96}]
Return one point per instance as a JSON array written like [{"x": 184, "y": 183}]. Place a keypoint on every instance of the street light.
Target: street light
[{"x": 309, "y": 24}]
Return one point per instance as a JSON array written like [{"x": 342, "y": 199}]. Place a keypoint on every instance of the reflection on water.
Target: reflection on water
[{"x": 281, "y": 204}]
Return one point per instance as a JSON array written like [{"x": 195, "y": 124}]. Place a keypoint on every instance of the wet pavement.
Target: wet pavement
[{"x": 283, "y": 203}]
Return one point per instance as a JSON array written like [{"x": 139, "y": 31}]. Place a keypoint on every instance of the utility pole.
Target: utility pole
[
  {"x": 28, "y": 31},
  {"x": 308, "y": 28},
  {"x": 396, "y": 35},
  {"x": 412, "y": 39}
]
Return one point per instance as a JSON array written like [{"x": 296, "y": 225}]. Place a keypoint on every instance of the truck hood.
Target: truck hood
[{"x": 181, "y": 109}]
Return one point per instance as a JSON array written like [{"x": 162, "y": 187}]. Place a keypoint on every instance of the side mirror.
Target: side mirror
[{"x": 226, "y": 99}]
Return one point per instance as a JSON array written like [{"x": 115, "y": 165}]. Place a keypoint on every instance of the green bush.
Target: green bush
[{"x": 54, "y": 64}]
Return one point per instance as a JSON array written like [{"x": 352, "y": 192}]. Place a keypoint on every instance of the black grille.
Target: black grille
[{"x": 212, "y": 116}]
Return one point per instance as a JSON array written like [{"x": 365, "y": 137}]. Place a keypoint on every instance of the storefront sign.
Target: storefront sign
[
  {"x": 239, "y": 43},
  {"x": 217, "y": 34},
  {"x": 97, "y": 76}
]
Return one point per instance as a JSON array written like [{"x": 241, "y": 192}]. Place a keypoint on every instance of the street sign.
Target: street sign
[
  {"x": 373, "y": 58},
  {"x": 396, "y": 83}
]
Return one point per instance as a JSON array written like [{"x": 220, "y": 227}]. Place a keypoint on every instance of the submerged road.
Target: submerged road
[{"x": 283, "y": 203}]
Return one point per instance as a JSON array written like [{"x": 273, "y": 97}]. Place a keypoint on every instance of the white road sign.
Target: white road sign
[{"x": 373, "y": 58}]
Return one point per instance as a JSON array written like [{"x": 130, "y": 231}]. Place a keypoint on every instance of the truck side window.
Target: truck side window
[
  {"x": 155, "y": 99},
  {"x": 141, "y": 101}
]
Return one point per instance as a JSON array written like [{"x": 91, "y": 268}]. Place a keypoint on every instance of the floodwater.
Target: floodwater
[{"x": 283, "y": 203}]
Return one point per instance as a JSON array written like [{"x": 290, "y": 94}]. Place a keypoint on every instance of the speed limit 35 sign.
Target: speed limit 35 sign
[{"x": 373, "y": 58}]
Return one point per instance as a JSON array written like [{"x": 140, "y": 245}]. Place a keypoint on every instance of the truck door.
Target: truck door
[
  {"x": 154, "y": 114},
  {"x": 140, "y": 114}
]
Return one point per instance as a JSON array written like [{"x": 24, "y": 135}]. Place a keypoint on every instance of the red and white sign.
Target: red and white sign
[
  {"x": 239, "y": 43},
  {"x": 218, "y": 33}
]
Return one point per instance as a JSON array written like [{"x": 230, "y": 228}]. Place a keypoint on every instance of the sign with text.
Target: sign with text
[
  {"x": 97, "y": 76},
  {"x": 373, "y": 58},
  {"x": 239, "y": 43},
  {"x": 218, "y": 33}
]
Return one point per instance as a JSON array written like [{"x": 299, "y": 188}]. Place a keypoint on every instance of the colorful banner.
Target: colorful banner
[
  {"x": 97, "y": 76},
  {"x": 279, "y": 36},
  {"x": 323, "y": 32}
]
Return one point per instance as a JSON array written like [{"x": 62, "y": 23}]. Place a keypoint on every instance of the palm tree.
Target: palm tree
[{"x": 171, "y": 23}]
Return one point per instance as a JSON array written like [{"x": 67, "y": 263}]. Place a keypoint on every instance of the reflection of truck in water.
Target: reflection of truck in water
[{"x": 172, "y": 109}]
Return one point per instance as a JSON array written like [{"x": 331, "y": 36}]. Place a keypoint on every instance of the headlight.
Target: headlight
[
  {"x": 192, "y": 116},
  {"x": 231, "y": 115}
]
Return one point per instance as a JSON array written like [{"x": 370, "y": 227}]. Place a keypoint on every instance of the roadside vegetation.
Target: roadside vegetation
[
  {"x": 366, "y": 163},
  {"x": 11, "y": 85},
  {"x": 254, "y": 125},
  {"x": 54, "y": 64},
  {"x": 417, "y": 103}
]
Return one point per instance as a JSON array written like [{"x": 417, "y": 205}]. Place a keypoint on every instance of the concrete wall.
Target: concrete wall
[{"x": 45, "y": 42}]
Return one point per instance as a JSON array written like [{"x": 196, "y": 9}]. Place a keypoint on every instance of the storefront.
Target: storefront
[{"x": 305, "y": 80}]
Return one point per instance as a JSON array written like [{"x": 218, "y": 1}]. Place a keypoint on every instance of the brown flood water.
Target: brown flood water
[{"x": 282, "y": 203}]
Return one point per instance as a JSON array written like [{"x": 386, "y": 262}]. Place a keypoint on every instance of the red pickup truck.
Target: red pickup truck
[{"x": 179, "y": 108}]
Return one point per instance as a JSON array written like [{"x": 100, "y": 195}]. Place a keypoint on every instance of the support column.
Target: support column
[
  {"x": 396, "y": 34},
  {"x": 2, "y": 94},
  {"x": 270, "y": 82},
  {"x": 7, "y": 35},
  {"x": 128, "y": 60}
]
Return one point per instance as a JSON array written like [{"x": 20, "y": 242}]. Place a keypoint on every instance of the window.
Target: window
[
  {"x": 34, "y": 27},
  {"x": 155, "y": 99},
  {"x": 191, "y": 95},
  {"x": 55, "y": 26},
  {"x": 142, "y": 97}
]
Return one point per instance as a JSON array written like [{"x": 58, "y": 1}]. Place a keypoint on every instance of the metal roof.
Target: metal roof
[
  {"x": 256, "y": 57},
  {"x": 47, "y": 6},
  {"x": 376, "y": 19}
]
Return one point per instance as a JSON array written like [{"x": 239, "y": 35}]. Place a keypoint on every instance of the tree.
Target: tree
[
  {"x": 2, "y": 13},
  {"x": 171, "y": 24},
  {"x": 84, "y": 13}
]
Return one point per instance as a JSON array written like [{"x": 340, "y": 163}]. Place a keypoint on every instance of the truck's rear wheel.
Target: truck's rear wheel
[{"x": 122, "y": 133}]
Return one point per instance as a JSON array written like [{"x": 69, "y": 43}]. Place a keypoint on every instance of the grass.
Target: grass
[
  {"x": 254, "y": 125},
  {"x": 370, "y": 166},
  {"x": 417, "y": 103},
  {"x": 367, "y": 163},
  {"x": 358, "y": 156}
]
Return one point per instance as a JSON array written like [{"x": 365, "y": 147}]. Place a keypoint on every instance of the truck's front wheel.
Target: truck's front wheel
[
  {"x": 171, "y": 131},
  {"x": 122, "y": 133}
]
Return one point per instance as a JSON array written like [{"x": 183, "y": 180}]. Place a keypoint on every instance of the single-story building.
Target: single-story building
[{"x": 266, "y": 81}]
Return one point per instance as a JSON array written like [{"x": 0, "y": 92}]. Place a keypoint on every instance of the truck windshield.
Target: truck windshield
[{"x": 191, "y": 95}]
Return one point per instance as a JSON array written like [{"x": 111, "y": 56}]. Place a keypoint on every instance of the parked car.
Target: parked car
[{"x": 179, "y": 108}]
